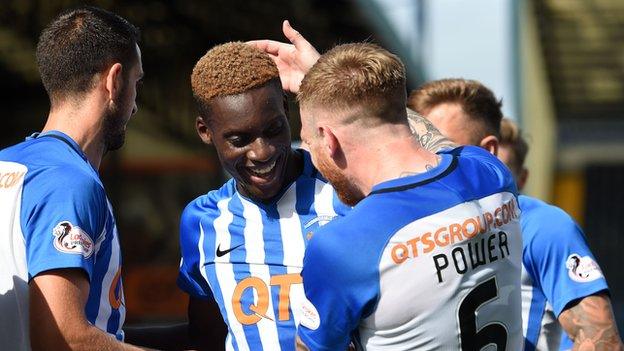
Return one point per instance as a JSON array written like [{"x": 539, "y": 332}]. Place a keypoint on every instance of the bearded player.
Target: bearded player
[{"x": 243, "y": 245}]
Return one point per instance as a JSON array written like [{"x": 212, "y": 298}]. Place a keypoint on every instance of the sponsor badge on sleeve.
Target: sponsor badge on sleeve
[
  {"x": 582, "y": 269},
  {"x": 309, "y": 316},
  {"x": 72, "y": 239}
]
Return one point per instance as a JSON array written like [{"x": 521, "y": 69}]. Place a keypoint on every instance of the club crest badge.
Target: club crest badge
[
  {"x": 315, "y": 223},
  {"x": 71, "y": 239},
  {"x": 582, "y": 269}
]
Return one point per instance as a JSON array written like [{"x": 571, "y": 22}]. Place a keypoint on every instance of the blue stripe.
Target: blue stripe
[
  {"x": 274, "y": 258},
  {"x": 210, "y": 248},
  {"x": 536, "y": 314},
  {"x": 305, "y": 204},
  {"x": 241, "y": 268}
]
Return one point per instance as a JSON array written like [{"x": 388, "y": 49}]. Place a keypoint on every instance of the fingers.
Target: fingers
[
  {"x": 271, "y": 47},
  {"x": 293, "y": 36}
]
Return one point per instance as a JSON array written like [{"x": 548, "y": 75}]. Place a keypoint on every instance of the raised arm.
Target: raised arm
[
  {"x": 57, "y": 318},
  {"x": 293, "y": 60},
  {"x": 591, "y": 325},
  {"x": 427, "y": 134}
]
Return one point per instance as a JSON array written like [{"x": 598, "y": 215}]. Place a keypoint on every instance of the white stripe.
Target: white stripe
[
  {"x": 105, "y": 310},
  {"x": 225, "y": 273},
  {"x": 228, "y": 343},
  {"x": 122, "y": 309},
  {"x": 294, "y": 246},
  {"x": 254, "y": 246},
  {"x": 13, "y": 265},
  {"x": 323, "y": 199}
]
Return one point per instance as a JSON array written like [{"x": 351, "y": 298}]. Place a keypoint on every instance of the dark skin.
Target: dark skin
[{"x": 251, "y": 135}]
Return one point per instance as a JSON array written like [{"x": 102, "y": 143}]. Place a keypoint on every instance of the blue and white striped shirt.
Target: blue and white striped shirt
[
  {"x": 557, "y": 268},
  {"x": 248, "y": 256},
  {"x": 55, "y": 214}
]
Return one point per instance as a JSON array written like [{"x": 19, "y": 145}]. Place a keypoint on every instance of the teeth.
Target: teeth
[{"x": 265, "y": 170}]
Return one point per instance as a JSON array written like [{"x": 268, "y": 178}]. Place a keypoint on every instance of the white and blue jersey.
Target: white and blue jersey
[
  {"x": 425, "y": 262},
  {"x": 55, "y": 215},
  {"x": 558, "y": 268},
  {"x": 248, "y": 256}
]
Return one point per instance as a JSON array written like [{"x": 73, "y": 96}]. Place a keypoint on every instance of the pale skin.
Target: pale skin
[
  {"x": 58, "y": 297},
  {"x": 590, "y": 322},
  {"x": 57, "y": 320},
  {"x": 331, "y": 135}
]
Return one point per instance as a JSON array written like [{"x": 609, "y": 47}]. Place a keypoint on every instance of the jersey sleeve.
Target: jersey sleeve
[
  {"x": 559, "y": 259},
  {"x": 338, "y": 291},
  {"x": 190, "y": 278},
  {"x": 64, "y": 214}
]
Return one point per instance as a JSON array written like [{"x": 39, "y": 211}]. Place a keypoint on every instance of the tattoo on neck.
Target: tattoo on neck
[{"x": 427, "y": 134}]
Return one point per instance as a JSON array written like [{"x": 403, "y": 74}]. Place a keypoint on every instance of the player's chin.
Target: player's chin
[
  {"x": 115, "y": 141},
  {"x": 263, "y": 193}
]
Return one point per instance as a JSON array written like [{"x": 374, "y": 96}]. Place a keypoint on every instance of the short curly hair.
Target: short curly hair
[{"x": 230, "y": 69}]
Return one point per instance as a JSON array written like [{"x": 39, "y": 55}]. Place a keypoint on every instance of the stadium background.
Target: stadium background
[{"x": 557, "y": 64}]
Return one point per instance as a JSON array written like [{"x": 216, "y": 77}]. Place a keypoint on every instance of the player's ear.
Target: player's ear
[
  {"x": 490, "y": 143},
  {"x": 203, "y": 130},
  {"x": 113, "y": 80},
  {"x": 330, "y": 142}
]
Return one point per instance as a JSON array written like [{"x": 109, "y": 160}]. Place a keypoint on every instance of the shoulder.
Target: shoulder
[
  {"x": 548, "y": 232},
  {"x": 341, "y": 241},
  {"x": 64, "y": 183},
  {"x": 207, "y": 205},
  {"x": 482, "y": 172},
  {"x": 538, "y": 216}
]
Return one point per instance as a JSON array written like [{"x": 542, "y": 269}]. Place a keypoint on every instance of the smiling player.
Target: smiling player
[{"x": 243, "y": 244}]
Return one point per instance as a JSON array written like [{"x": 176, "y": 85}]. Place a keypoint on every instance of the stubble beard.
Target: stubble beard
[
  {"x": 345, "y": 188},
  {"x": 114, "y": 126}
]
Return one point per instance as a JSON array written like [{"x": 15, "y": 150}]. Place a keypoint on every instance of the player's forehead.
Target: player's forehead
[
  {"x": 253, "y": 110},
  {"x": 454, "y": 123}
]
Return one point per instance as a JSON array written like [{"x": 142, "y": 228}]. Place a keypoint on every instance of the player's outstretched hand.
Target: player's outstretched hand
[{"x": 293, "y": 60}]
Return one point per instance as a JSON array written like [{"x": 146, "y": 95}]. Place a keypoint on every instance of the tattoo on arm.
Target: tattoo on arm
[
  {"x": 591, "y": 325},
  {"x": 427, "y": 134}
]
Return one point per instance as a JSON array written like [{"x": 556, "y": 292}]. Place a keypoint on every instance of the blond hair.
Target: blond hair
[{"x": 357, "y": 75}]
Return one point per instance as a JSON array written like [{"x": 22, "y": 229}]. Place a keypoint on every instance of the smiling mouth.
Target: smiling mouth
[{"x": 264, "y": 171}]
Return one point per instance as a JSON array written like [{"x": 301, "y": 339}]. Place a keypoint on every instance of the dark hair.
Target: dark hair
[
  {"x": 80, "y": 43},
  {"x": 477, "y": 101}
]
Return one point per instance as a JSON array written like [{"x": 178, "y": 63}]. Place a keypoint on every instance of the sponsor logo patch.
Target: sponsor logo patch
[
  {"x": 321, "y": 220},
  {"x": 582, "y": 269},
  {"x": 309, "y": 316},
  {"x": 71, "y": 239}
]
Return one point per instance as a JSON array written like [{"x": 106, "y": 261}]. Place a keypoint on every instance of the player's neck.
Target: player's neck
[
  {"x": 390, "y": 156},
  {"x": 83, "y": 123}
]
